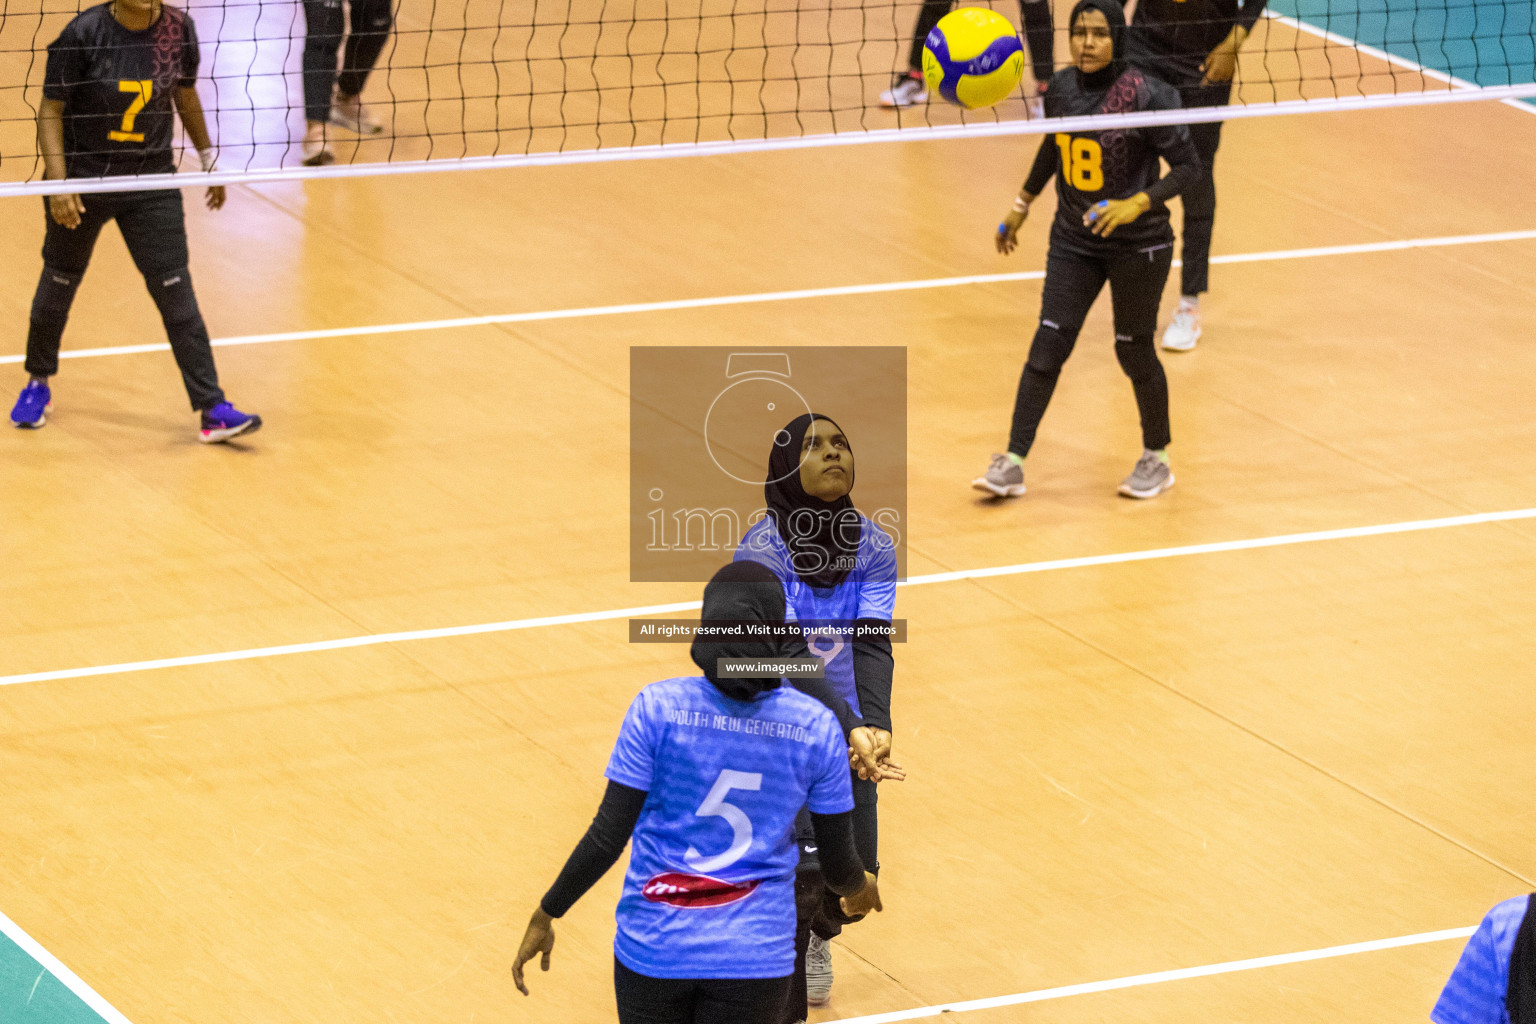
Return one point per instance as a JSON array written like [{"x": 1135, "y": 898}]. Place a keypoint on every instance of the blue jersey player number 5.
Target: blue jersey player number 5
[{"x": 710, "y": 888}]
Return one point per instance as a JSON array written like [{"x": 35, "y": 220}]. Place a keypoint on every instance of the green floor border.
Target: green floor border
[{"x": 35, "y": 988}]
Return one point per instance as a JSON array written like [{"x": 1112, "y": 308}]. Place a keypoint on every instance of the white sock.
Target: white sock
[{"x": 1189, "y": 301}]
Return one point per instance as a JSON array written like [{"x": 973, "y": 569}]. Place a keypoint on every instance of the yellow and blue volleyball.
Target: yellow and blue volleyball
[{"x": 973, "y": 57}]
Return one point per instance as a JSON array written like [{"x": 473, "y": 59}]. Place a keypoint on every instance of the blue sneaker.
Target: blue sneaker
[
  {"x": 224, "y": 421},
  {"x": 33, "y": 407}
]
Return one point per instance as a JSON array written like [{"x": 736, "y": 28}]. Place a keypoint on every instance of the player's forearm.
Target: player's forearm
[
  {"x": 1046, "y": 160},
  {"x": 840, "y": 865},
  {"x": 50, "y": 138},
  {"x": 598, "y": 850},
  {"x": 190, "y": 107},
  {"x": 874, "y": 667}
]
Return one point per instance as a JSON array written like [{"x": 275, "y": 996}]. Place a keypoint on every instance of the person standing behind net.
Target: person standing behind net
[
  {"x": 114, "y": 75},
  {"x": 1111, "y": 225},
  {"x": 706, "y": 777},
  {"x": 329, "y": 98},
  {"x": 909, "y": 88},
  {"x": 1192, "y": 45}
]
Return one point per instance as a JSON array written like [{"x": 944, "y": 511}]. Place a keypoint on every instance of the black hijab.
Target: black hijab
[
  {"x": 1115, "y": 15},
  {"x": 1520, "y": 996},
  {"x": 740, "y": 592},
  {"x": 822, "y": 537}
]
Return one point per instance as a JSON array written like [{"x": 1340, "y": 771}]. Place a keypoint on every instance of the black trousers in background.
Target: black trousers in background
[
  {"x": 647, "y": 1000},
  {"x": 1038, "y": 30},
  {"x": 324, "y": 26},
  {"x": 1072, "y": 281},
  {"x": 154, "y": 227},
  {"x": 1200, "y": 211}
]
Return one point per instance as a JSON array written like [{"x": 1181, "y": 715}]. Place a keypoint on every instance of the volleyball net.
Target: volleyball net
[{"x": 486, "y": 83}]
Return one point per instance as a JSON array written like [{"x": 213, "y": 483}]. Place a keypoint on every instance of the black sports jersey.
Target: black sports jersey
[
  {"x": 116, "y": 85},
  {"x": 1116, "y": 164},
  {"x": 1172, "y": 38}
]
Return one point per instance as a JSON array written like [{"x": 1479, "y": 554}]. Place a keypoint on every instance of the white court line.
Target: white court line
[
  {"x": 780, "y": 296},
  {"x": 375, "y": 639},
  {"x": 105, "y": 1010},
  {"x": 1390, "y": 58},
  {"x": 1138, "y": 980}
]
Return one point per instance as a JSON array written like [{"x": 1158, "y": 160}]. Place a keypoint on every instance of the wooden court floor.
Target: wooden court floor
[{"x": 1114, "y": 770}]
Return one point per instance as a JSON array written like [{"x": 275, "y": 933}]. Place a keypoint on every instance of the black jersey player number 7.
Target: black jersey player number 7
[{"x": 143, "y": 91}]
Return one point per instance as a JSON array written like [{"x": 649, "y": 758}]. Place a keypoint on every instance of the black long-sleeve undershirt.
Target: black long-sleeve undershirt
[
  {"x": 604, "y": 841},
  {"x": 874, "y": 668},
  {"x": 1047, "y": 160},
  {"x": 598, "y": 850}
]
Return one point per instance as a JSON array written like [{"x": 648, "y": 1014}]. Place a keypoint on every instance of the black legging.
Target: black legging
[
  {"x": 1036, "y": 15},
  {"x": 1200, "y": 211},
  {"x": 1072, "y": 281},
  {"x": 646, "y": 1000},
  {"x": 324, "y": 27},
  {"x": 154, "y": 229}
]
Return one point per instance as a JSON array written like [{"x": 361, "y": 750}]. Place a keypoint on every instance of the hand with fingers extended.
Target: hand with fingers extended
[
  {"x": 1107, "y": 214},
  {"x": 1007, "y": 236},
  {"x": 539, "y": 938},
  {"x": 870, "y": 756},
  {"x": 865, "y": 900}
]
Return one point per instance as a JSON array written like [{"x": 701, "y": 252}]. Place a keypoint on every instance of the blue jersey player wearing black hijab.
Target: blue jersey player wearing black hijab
[
  {"x": 707, "y": 777},
  {"x": 839, "y": 574}
]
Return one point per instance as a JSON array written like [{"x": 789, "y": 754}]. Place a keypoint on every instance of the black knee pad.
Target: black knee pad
[
  {"x": 1137, "y": 355},
  {"x": 55, "y": 295},
  {"x": 173, "y": 295},
  {"x": 1050, "y": 349}
]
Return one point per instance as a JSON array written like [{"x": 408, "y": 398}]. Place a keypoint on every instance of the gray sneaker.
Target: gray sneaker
[
  {"x": 1151, "y": 477},
  {"x": 1004, "y": 478},
  {"x": 818, "y": 971}
]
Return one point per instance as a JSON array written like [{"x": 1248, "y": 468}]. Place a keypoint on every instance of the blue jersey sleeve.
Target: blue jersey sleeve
[
  {"x": 633, "y": 761},
  {"x": 877, "y": 582},
  {"x": 1475, "y": 992},
  {"x": 832, "y": 787}
]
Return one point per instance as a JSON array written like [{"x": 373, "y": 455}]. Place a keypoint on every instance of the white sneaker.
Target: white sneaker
[
  {"x": 1184, "y": 331},
  {"x": 316, "y": 153},
  {"x": 351, "y": 114},
  {"x": 818, "y": 971},
  {"x": 906, "y": 93}
]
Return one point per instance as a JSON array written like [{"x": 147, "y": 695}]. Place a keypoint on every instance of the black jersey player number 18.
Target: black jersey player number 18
[{"x": 1082, "y": 162}]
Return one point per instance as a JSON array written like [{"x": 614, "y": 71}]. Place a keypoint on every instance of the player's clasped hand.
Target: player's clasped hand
[
  {"x": 215, "y": 197},
  {"x": 539, "y": 938},
  {"x": 869, "y": 755},
  {"x": 66, "y": 209},
  {"x": 1107, "y": 214},
  {"x": 1008, "y": 231}
]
